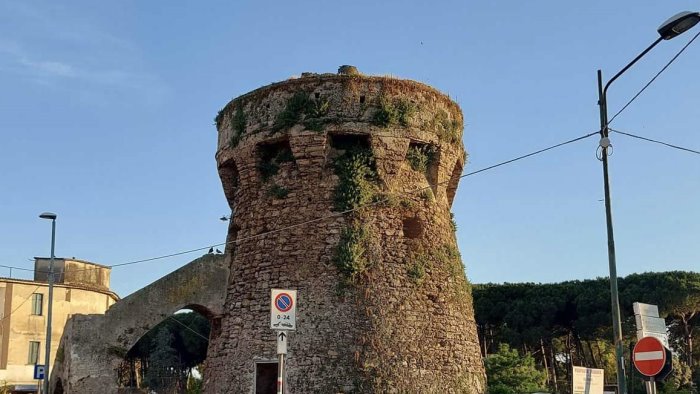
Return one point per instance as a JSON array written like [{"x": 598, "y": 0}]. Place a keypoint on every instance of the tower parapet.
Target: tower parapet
[{"x": 340, "y": 187}]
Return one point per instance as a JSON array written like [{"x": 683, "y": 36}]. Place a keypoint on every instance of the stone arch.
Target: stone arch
[
  {"x": 133, "y": 370},
  {"x": 95, "y": 345}
]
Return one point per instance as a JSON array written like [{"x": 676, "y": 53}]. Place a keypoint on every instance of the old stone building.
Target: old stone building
[
  {"x": 81, "y": 287},
  {"x": 340, "y": 187}
]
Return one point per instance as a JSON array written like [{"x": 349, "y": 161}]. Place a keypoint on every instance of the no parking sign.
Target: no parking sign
[{"x": 283, "y": 306}]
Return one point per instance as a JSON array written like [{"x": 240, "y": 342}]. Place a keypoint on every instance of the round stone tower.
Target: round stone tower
[{"x": 340, "y": 187}]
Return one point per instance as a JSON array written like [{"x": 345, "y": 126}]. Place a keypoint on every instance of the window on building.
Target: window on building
[
  {"x": 33, "y": 352},
  {"x": 37, "y": 304}
]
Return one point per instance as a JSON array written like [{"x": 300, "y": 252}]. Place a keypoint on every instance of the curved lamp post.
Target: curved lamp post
[
  {"x": 673, "y": 27},
  {"x": 47, "y": 356}
]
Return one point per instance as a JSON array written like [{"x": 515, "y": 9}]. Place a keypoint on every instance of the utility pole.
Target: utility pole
[{"x": 612, "y": 265}]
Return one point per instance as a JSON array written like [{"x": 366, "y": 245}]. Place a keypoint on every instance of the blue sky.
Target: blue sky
[{"x": 106, "y": 113}]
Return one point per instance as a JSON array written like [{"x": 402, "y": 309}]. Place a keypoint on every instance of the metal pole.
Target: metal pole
[
  {"x": 651, "y": 386},
  {"x": 280, "y": 375},
  {"x": 47, "y": 370},
  {"x": 614, "y": 298}
]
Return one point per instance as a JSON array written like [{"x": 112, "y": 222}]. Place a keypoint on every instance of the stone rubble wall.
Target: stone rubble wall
[
  {"x": 93, "y": 346},
  {"x": 404, "y": 324}
]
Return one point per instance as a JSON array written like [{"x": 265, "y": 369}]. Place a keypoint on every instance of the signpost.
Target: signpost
[
  {"x": 652, "y": 359},
  {"x": 654, "y": 364},
  {"x": 587, "y": 380},
  {"x": 283, "y": 318}
]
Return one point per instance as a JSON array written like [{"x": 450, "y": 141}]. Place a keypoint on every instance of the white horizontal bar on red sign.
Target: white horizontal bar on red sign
[{"x": 647, "y": 356}]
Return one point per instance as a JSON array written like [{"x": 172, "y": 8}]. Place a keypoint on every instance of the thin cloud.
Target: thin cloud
[{"x": 55, "y": 46}]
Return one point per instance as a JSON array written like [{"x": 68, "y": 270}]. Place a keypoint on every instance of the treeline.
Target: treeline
[{"x": 569, "y": 323}]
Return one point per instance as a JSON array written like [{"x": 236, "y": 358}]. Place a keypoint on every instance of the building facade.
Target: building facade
[{"x": 80, "y": 287}]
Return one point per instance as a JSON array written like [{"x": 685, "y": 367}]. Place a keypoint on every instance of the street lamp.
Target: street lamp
[
  {"x": 47, "y": 359},
  {"x": 671, "y": 28}
]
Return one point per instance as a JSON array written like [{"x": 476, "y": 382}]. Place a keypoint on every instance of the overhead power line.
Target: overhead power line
[
  {"x": 654, "y": 78},
  {"x": 656, "y": 142},
  {"x": 338, "y": 214}
]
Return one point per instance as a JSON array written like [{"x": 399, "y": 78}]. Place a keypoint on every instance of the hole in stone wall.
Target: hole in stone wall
[
  {"x": 228, "y": 172},
  {"x": 271, "y": 155},
  {"x": 454, "y": 182},
  {"x": 362, "y": 99},
  {"x": 347, "y": 141},
  {"x": 412, "y": 228},
  {"x": 317, "y": 95},
  {"x": 341, "y": 143}
]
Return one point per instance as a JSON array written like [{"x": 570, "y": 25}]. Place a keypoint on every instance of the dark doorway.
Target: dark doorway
[{"x": 266, "y": 378}]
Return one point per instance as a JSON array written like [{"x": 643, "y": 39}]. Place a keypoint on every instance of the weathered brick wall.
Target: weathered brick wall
[{"x": 401, "y": 322}]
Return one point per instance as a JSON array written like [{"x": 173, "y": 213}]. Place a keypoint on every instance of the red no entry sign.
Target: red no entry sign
[{"x": 649, "y": 356}]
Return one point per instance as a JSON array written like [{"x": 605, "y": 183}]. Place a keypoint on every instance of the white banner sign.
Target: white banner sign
[{"x": 587, "y": 380}]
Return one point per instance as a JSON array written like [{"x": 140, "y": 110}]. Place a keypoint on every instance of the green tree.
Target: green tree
[
  {"x": 509, "y": 373},
  {"x": 169, "y": 352},
  {"x": 163, "y": 361},
  {"x": 680, "y": 380}
]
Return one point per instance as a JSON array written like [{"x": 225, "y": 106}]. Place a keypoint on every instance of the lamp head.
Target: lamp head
[
  {"x": 678, "y": 24},
  {"x": 48, "y": 215}
]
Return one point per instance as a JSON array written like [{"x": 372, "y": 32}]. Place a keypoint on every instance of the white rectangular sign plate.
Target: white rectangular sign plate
[
  {"x": 282, "y": 338},
  {"x": 587, "y": 380},
  {"x": 283, "y": 309},
  {"x": 645, "y": 309},
  {"x": 651, "y": 324},
  {"x": 661, "y": 337}
]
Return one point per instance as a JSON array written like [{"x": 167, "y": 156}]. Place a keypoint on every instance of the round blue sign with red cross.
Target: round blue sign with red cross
[{"x": 283, "y": 302}]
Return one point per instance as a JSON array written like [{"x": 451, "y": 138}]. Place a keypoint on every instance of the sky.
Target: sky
[{"x": 107, "y": 108}]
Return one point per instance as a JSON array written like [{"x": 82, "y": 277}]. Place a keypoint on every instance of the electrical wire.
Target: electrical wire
[
  {"x": 656, "y": 141},
  {"x": 654, "y": 78},
  {"x": 20, "y": 305},
  {"x": 337, "y": 214},
  {"x": 342, "y": 213},
  {"x": 380, "y": 201},
  {"x": 188, "y": 327}
]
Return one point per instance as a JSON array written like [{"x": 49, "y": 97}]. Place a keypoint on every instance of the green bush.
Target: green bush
[
  {"x": 291, "y": 115},
  {"x": 421, "y": 157},
  {"x": 446, "y": 129},
  {"x": 270, "y": 159},
  {"x": 397, "y": 112},
  {"x": 509, "y": 373},
  {"x": 301, "y": 108},
  {"x": 349, "y": 255},
  {"x": 357, "y": 184},
  {"x": 416, "y": 270}
]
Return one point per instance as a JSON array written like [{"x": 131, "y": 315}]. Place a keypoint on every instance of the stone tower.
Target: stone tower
[{"x": 340, "y": 186}]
